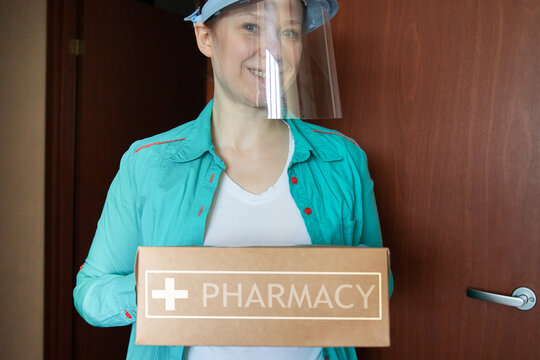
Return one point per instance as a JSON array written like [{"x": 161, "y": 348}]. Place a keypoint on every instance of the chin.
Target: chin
[{"x": 258, "y": 103}]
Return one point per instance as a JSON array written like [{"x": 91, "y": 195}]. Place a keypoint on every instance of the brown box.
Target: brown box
[{"x": 262, "y": 296}]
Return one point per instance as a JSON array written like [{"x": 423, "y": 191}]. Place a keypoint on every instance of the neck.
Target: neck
[{"x": 241, "y": 127}]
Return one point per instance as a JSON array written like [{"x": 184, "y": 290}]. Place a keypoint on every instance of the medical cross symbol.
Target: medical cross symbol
[{"x": 170, "y": 294}]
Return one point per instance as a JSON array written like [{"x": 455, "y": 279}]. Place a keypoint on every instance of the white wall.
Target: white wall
[{"x": 22, "y": 177}]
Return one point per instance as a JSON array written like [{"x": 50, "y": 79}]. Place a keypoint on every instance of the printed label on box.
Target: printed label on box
[{"x": 263, "y": 295}]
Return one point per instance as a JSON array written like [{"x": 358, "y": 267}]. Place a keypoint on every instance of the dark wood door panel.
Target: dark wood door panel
[
  {"x": 443, "y": 96},
  {"x": 140, "y": 74}
]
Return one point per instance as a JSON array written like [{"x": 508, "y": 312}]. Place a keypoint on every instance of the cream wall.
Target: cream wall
[{"x": 22, "y": 177}]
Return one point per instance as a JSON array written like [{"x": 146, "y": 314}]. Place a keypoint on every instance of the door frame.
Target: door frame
[{"x": 61, "y": 89}]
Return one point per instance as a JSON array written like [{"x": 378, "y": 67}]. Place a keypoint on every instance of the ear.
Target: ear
[{"x": 204, "y": 39}]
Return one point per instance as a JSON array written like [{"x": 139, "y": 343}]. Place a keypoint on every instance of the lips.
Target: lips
[{"x": 259, "y": 73}]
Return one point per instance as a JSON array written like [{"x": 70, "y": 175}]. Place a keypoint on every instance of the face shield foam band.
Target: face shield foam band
[{"x": 313, "y": 19}]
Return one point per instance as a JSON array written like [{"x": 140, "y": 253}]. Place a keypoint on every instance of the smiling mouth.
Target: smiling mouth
[{"x": 261, "y": 74}]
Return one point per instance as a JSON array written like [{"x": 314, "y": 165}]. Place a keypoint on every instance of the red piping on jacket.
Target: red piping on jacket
[
  {"x": 158, "y": 143},
  {"x": 333, "y": 133}
]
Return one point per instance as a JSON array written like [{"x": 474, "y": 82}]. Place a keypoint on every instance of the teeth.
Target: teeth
[{"x": 258, "y": 73}]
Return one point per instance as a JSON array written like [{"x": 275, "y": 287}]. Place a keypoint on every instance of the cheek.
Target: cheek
[
  {"x": 297, "y": 55},
  {"x": 236, "y": 61},
  {"x": 292, "y": 55},
  {"x": 243, "y": 50}
]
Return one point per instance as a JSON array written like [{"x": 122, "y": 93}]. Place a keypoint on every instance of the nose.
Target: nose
[
  {"x": 272, "y": 44},
  {"x": 271, "y": 33}
]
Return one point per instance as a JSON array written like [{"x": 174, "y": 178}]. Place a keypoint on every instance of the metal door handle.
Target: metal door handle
[{"x": 523, "y": 298}]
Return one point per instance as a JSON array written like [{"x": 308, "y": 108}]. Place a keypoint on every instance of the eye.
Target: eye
[
  {"x": 250, "y": 27},
  {"x": 290, "y": 34}
]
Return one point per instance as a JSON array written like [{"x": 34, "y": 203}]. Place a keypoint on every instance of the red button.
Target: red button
[
  {"x": 128, "y": 315},
  {"x": 307, "y": 211},
  {"x": 294, "y": 180}
]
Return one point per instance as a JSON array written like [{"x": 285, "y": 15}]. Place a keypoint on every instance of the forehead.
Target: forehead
[{"x": 292, "y": 9}]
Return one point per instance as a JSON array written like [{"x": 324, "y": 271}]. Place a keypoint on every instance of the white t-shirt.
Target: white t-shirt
[{"x": 240, "y": 218}]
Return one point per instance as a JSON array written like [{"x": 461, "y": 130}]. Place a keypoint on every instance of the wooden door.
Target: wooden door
[
  {"x": 140, "y": 74},
  {"x": 444, "y": 97}
]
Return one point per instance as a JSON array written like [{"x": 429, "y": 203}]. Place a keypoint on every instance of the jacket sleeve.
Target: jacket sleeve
[
  {"x": 371, "y": 235},
  {"x": 371, "y": 229},
  {"x": 105, "y": 291}
]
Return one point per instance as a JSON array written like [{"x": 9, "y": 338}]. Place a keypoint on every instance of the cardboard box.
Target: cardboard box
[{"x": 262, "y": 296}]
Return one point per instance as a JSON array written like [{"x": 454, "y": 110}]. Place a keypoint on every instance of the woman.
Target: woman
[{"x": 245, "y": 172}]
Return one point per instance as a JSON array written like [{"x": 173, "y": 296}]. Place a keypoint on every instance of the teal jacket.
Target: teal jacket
[{"x": 163, "y": 191}]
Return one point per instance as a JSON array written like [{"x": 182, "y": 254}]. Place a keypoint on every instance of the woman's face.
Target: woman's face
[{"x": 254, "y": 45}]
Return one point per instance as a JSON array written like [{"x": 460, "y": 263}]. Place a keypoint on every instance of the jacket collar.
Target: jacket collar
[
  {"x": 198, "y": 138},
  {"x": 307, "y": 143},
  {"x": 198, "y": 141}
]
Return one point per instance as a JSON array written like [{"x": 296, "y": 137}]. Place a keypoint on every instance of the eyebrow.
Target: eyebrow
[
  {"x": 252, "y": 14},
  {"x": 295, "y": 22}
]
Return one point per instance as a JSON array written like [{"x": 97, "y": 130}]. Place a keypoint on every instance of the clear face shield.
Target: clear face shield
[{"x": 277, "y": 56}]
